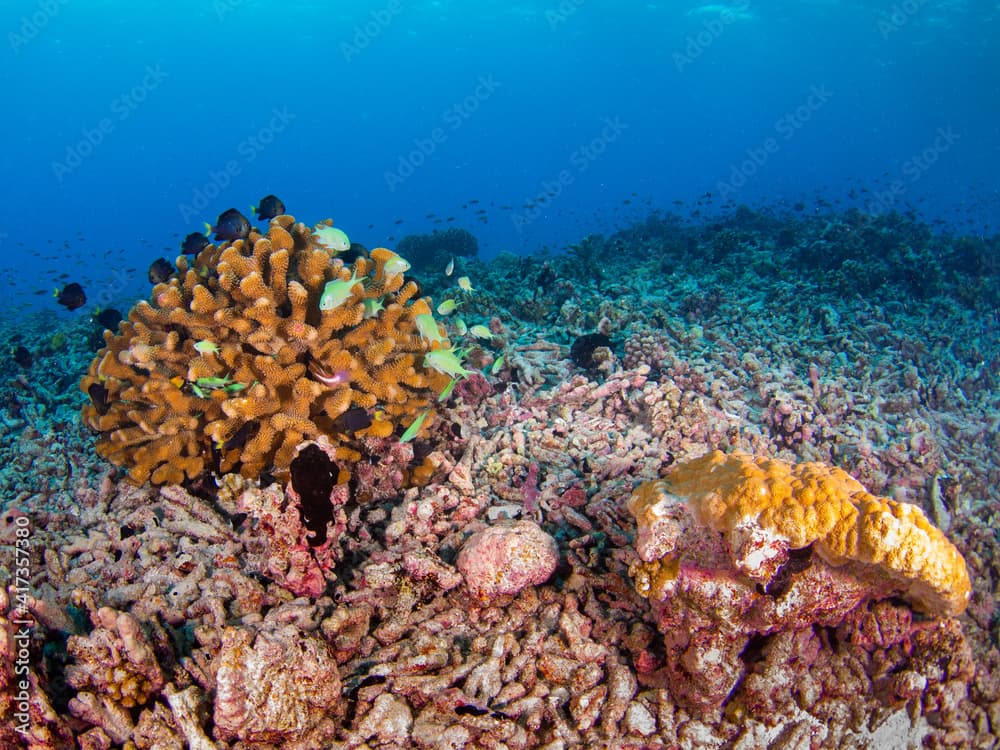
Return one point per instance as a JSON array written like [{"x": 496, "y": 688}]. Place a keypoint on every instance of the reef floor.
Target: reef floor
[{"x": 154, "y": 617}]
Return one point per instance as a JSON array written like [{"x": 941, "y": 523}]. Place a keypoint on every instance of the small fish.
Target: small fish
[
  {"x": 109, "y": 318},
  {"x": 241, "y": 436},
  {"x": 194, "y": 243},
  {"x": 337, "y": 292},
  {"x": 354, "y": 419},
  {"x": 464, "y": 284},
  {"x": 480, "y": 332},
  {"x": 460, "y": 327},
  {"x": 428, "y": 329},
  {"x": 212, "y": 383},
  {"x": 355, "y": 251},
  {"x": 450, "y": 268},
  {"x": 22, "y": 356},
  {"x": 497, "y": 365},
  {"x": 447, "y": 307},
  {"x": 206, "y": 347},
  {"x": 396, "y": 265},
  {"x": 332, "y": 239},
  {"x": 447, "y": 389},
  {"x": 447, "y": 361},
  {"x": 71, "y": 296},
  {"x": 231, "y": 225},
  {"x": 99, "y": 398},
  {"x": 373, "y": 306},
  {"x": 413, "y": 429},
  {"x": 269, "y": 207},
  {"x": 160, "y": 270}
]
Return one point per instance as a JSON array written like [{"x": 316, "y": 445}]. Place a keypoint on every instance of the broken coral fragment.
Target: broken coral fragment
[
  {"x": 504, "y": 559},
  {"x": 274, "y": 686}
]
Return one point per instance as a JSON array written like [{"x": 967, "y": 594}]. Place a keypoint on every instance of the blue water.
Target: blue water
[{"x": 127, "y": 125}]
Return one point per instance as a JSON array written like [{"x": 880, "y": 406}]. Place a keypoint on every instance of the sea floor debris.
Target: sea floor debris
[{"x": 165, "y": 618}]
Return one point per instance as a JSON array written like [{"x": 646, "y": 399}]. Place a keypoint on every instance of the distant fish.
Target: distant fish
[
  {"x": 231, "y": 225},
  {"x": 450, "y": 268},
  {"x": 22, "y": 356},
  {"x": 71, "y": 296},
  {"x": 108, "y": 318},
  {"x": 465, "y": 284},
  {"x": 194, "y": 243},
  {"x": 160, "y": 270},
  {"x": 481, "y": 332},
  {"x": 269, "y": 207}
]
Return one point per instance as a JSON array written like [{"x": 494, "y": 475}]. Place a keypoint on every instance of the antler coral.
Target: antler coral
[{"x": 281, "y": 370}]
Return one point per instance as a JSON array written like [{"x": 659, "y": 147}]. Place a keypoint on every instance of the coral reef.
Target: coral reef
[
  {"x": 800, "y": 546},
  {"x": 114, "y": 669},
  {"x": 253, "y": 347},
  {"x": 431, "y": 252},
  {"x": 193, "y": 604}
]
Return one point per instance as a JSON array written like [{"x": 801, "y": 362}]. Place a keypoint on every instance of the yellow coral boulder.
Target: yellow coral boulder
[{"x": 765, "y": 507}]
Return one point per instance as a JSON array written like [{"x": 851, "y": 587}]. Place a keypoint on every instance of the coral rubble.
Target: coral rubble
[{"x": 336, "y": 586}]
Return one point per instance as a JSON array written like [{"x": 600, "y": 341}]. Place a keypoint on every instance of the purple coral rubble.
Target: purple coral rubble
[{"x": 455, "y": 615}]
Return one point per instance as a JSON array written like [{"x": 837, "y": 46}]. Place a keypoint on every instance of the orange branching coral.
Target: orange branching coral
[
  {"x": 254, "y": 346},
  {"x": 762, "y": 503}
]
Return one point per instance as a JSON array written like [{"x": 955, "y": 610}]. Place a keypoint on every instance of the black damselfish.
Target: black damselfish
[
  {"x": 269, "y": 207},
  {"x": 231, "y": 225},
  {"x": 71, "y": 296},
  {"x": 194, "y": 243}
]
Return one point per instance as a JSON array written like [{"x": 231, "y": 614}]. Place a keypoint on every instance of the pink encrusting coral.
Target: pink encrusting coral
[{"x": 502, "y": 560}]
